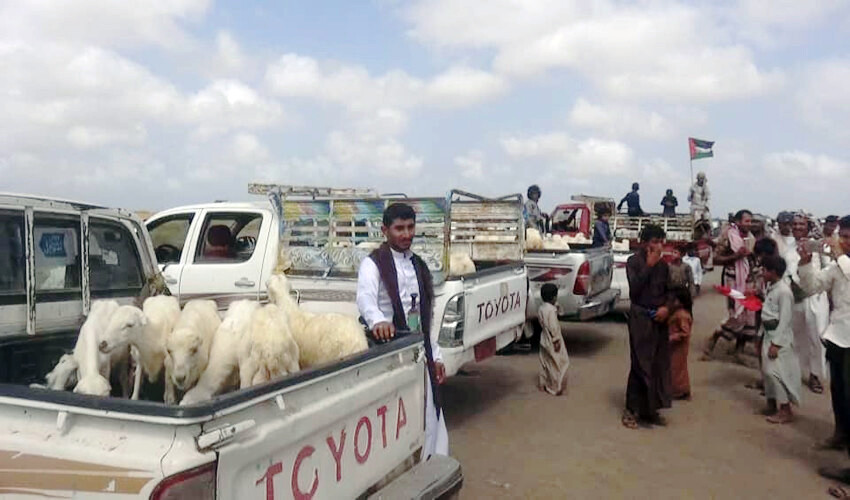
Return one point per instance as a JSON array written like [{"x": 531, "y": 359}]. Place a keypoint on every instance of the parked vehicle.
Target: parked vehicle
[
  {"x": 319, "y": 236},
  {"x": 582, "y": 274},
  {"x": 349, "y": 429}
]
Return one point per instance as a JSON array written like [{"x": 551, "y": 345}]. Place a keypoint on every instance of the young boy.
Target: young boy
[
  {"x": 692, "y": 260},
  {"x": 779, "y": 362},
  {"x": 680, "y": 324},
  {"x": 554, "y": 360}
]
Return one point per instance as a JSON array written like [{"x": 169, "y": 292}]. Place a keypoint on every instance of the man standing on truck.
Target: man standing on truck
[
  {"x": 698, "y": 196},
  {"x": 531, "y": 212},
  {"x": 392, "y": 285},
  {"x": 650, "y": 384},
  {"x": 632, "y": 201}
]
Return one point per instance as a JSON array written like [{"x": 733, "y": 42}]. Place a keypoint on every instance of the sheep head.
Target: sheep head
[
  {"x": 186, "y": 357},
  {"x": 278, "y": 287},
  {"x": 64, "y": 374},
  {"x": 126, "y": 323}
]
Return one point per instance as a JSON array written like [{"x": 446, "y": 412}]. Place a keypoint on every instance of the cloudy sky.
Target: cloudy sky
[{"x": 155, "y": 103}]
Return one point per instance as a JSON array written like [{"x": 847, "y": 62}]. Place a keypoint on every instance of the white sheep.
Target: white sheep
[
  {"x": 321, "y": 338},
  {"x": 533, "y": 239},
  {"x": 64, "y": 375},
  {"x": 555, "y": 242},
  {"x": 232, "y": 338},
  {"x": 460, "y": 264},
  {"x": 94, "y": 367},
  {"x": 270, "y": 351},
  {"x": 188, "y": 346},
  {"x": 146, "y": 331}
]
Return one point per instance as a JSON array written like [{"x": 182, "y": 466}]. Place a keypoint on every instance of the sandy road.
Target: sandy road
[{"x": 515, "y": 442}]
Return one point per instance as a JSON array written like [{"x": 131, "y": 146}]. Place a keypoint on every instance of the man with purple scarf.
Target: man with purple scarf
[{"x": 390, "y": 282}]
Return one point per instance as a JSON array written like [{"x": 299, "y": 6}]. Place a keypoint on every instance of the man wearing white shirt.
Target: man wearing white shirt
[
  {"x": 835, "y": 279},
  {"x": 387, "y": 283}
]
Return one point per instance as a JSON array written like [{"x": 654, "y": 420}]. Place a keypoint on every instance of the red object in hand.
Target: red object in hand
[{"x": 750, "y": 302}]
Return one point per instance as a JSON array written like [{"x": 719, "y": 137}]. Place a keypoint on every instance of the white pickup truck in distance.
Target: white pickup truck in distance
[
  {"x": 350, "y": 429},
  {"x": 582, "y": 274},
  {"x": 319, "y": 236}
]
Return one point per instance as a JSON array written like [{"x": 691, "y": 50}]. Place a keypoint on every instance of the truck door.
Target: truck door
[
  {"x": 226, "y": 256},
  {"x": 171, "y": 235}
]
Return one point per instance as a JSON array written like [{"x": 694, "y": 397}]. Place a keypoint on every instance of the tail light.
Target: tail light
[
  {"x": 451, "y": 329},
  {"x": 582, "y": 285},
  {"x": 197, "y": 483},
  {"x": 619, "y": 265}
]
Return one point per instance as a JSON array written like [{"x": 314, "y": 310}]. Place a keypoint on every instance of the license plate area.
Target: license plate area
[{"x": 485, "y": 349}]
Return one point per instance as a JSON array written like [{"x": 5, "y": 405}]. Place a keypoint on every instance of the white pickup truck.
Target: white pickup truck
[
  {"x": 352, "y": 429},
  {"x": 319, "y": 236},
  {"x": 582, "y": 274}
]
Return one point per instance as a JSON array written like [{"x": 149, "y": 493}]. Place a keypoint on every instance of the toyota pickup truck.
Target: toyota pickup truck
[
  {"x": 582, "y": 274},
  {"x": 319, "y": 236},
  {"x": 350, "y": 429}
]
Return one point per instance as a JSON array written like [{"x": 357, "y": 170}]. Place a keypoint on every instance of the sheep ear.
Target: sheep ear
[{"x": 143, "y": 320}]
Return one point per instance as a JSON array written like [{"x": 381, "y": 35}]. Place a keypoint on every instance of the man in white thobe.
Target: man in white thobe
[
  {"x": 376, "y": 309},
  {"x": 835, "y": 279},
  {"x": 699, "y": 197}
]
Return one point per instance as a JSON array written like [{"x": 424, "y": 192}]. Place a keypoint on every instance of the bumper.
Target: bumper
[
  {"x": 599, "y": 305},
  {"x": 455, "y": 357},
  {"x": 439, "y": 477}
]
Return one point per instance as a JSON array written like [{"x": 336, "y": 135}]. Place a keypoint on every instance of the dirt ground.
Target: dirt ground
[{"x": 515, "y": 442}]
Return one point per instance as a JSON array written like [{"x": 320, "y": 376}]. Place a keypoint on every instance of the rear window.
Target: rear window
[
  {"x": 566, "y": 220},
  {"x": 12, "y": 257},
  {"x": 57, "y": 256},
  {"x": 114, "y": 262}
]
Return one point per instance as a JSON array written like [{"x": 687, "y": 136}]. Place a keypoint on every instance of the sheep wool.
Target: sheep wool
[
  {"x": 321, "y": 338},
  {"x": 533, "y": 239},
  {"x": 93, "y": 366},
  {"x": 188, "y": 346},
  {"x": 231, "y": 344},
  {"x": 460, "y": 264},
  {"x": 64, "y": 375},
  {"x": 272, "y": 352}
]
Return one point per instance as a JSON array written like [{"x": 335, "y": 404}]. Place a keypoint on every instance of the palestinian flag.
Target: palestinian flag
[
  {"x": 750, "y": 302},
  {"x": 700, "y": 149}
]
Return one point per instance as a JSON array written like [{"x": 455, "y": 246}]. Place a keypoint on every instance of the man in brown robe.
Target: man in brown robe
[{"x": 649, "y": 386}]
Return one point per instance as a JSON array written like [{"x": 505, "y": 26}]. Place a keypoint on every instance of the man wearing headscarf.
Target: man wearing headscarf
[{"x": 699, "y": 196}]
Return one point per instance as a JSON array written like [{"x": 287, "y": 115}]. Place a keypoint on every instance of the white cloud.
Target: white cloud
[
  {"x": 816, "y": 169},
  {"x": 352, "y": 86},
  {"x": 94, "y": 137},
  {"x": 228, "y": 53},
  {"x": 108, "y": 22},
  {"x": 656, "y": 49},
  {"x": 819, "y": 99},
  {"x": 247, "y": 149},
  {"x": 620, "y": 120},
  {"x": 471, "y": 165},
  {"x": 227, "y": 104},
  {"x": 581, "y": 158}
]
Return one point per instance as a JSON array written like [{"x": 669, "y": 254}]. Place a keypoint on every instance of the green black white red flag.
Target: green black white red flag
[{"x": 700, "y": 149}]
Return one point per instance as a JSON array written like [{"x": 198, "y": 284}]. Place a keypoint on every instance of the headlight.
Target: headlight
[{"x": 451, "y": 329}]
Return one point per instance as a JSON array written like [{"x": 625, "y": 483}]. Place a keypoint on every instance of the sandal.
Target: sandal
[
  {"x": 629, "y": 420},
  {"x": 838, "y": 492},
  {"x": 815, "y": 385},
  {"x": 658, "y": 420}
]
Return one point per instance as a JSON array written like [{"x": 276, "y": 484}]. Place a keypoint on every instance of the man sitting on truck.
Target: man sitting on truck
[
  {"x": 632, "y": 201},
  {"x": 388, "y": 284},
  {"x": 531, "y": 212}
]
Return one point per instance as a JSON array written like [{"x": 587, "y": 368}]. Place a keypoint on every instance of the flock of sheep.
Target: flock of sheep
[{"x": 201, "y": 354}]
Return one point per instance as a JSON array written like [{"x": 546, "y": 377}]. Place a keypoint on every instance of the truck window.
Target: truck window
[
  {"x": 169, "y": 235},
  {"x": 228, "y": 237},
  {"x": 566, "y": 220},
  {"x": 12, "y": 258},
  {"x": 114, "y": 262},
  {"x": 57, "y": 256}
]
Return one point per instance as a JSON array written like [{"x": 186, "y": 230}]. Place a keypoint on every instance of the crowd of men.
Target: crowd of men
[{"x": 800, "y": 272}]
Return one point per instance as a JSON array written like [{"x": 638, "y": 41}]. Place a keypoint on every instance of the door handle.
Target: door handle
[
  {"x": 170, "y": 281},
  {"x": 244, "y": 283}
]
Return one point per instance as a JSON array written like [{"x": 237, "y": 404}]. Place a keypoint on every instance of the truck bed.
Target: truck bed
[{"x": 37, "y": 355}]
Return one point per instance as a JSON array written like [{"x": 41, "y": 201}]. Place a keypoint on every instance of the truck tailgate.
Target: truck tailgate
[
  {"x": 333, "y": 436},
  {"x": 495, "y": 302}
]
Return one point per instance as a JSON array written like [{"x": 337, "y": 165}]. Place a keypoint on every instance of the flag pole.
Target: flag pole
[{"x": 692, "y": 169}]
